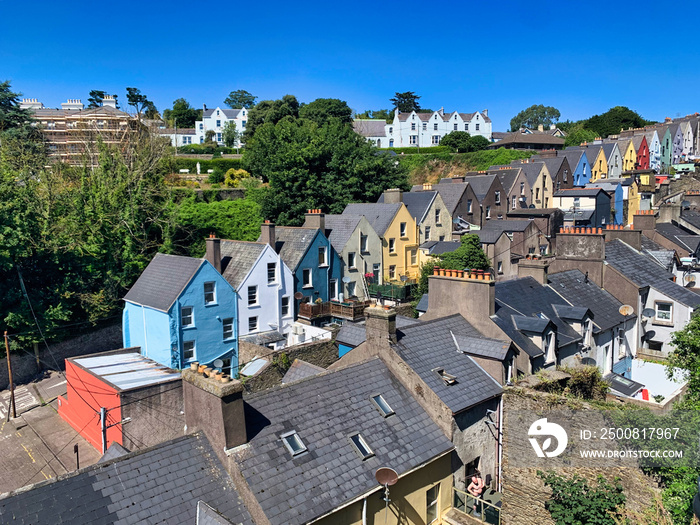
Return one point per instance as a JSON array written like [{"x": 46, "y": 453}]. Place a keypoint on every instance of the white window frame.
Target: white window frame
[
  {"x": 253, "y": 296},
  {"x": 381, "y": 405},
  {"x": 193, "y": 350},
  {"x": 307, "y": 283},
  {"x": 253, "y": 326},
  {"x": 427, "y": 233},
  {"x": 272, "y": 266},
  {"x": 392, "y": 271},
  {"x": 290, "y": 439},
  {"x": 183, "y": 315},
  {"x": 322, "y": 254},
  {"x": 211, "y": 293},
  {"x": 670, "y": 311},
  {"x": 284, "y": 306},
  {"x": 352, "y": 260},
  {"x": 497, "y": 197},
  {"x": 392, "y": 245},
  {"x": 364, "y": 243},
  {"x": 227, "y": 323}
]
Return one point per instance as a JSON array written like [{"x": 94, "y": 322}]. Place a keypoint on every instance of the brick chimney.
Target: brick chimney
[
  {"x": 216, "y": 408},
  {"x": 644, "y": 220},
  {"x": 631, "y": 236},
  {"x": 315, "y": 219},
  {"x": 471, "y": 294},
  {"x": 393, "y": 196},
  {"x": 380, "y": 327},
  {"x": 534, "y": 267},
  {"x": 213, "y": 254},
  {"x": 267, "y": 234}
]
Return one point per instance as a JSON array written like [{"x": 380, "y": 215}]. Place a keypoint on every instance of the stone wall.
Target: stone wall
[{"x": 24, "y": 364}]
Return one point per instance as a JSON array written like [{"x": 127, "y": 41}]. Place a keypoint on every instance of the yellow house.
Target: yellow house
[
  {"x": 540, "y": 181},
  {"x": 629, "y": 154},
  {"x": 598, "y": 161},
  {"x": 398, "y": 231},
  {"x": 633, "y": 197}
]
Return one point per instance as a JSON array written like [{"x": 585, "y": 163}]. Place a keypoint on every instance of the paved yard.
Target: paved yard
[{"x": 38, "y": 445}]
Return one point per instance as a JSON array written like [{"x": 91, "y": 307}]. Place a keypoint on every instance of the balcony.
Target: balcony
[
  {"x": 397, "y": 291},
  {"x": 488, "y": 508},
  {"x": 351, "y": 310}
]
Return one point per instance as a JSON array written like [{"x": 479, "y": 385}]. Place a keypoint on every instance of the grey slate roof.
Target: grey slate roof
[
  {"x": 163, "y": 280},
  {"x": 230, "y": 113},
  {"x": 531, "y": 324},
  {"x": 692, "y": 216},
  {"x": 114, "y": 451},
  {"x": 430, "y": 345},
  {"x": 532, "y": 170},
  {"x": 422, "y": 305},
  {"x": 301, "y": 370},
  {"x": 370, "y": 127},
  {"x": 416, "y": 202},
  {"x": 293, "y": 243},
  {"x": 161, "y": 484},
  {"x": 339, "y": 229},
  {"x": 507, "y": 225},
  {"x": 354, "y": 334},
  {"x": 325, "y": 411},
  {"x": 553, "y": 163},
  {"x": 237, "y": 259},
  {"x": 572, "y": 286},
  {"x": 573, "y": 156},
  {"x": 378, "y": 215},
  {"x": 608, "y": 149},
  {"x": 679, "y": 236},
  {"x": 440, "y": 247},
  {"x": 643, "y": 272},
  {"x": 579, "y": 192},
  {"x": 575, "y": 313},
  {"x": 621, "y": 384},
  {"x": 483, "y": 346},
  {"x": 481, "y": 184},
  {"x": 489, "y": 236},
  {"x": 451, "y": 195}
]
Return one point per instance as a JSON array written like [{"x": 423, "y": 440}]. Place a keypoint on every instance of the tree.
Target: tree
[
  {"x": 270, "y": 111},
  {"x": 478, "y": 143},
  {"x": 686, "y": 356},
  {"x": 311, "y": 166},
  {"x": 406, "y": 102},
  {"x": 322, "y": 110},
  {"x": 457, "y": 140},
  {"x": 230, "y": 135},
  {"x": 182, "y": 114},
  {"x": 209, "y": 136},
  {"x": 240, "y": 99},
  {"x": 383, "y": 114},
  {"x": 578, "y": 135},
  {"x": 615, "y": 120},
  {"x": 534, "y": 116},
  {"x": 97, "y": 96},
  {"x": 138, "y": 100},
  {"x": 576, "y": 502},
  {"x": 11, "y": 115}
]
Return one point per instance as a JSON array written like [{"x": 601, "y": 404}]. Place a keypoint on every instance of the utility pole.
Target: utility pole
[
  {"x": 77, "y": 457},
  {"x": 103, "y": 428},
  {"x": 9, "y": 373}
]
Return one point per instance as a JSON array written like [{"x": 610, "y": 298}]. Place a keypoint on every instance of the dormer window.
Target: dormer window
[
  {"x": 380, "y": 404},
  {"x": 361, "y": 446},
  {"x": 293, "y": 442},
  {"x": 448, "y": 379}
]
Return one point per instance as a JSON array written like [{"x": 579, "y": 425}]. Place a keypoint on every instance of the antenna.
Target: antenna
[{"x": 388, "y": 477}]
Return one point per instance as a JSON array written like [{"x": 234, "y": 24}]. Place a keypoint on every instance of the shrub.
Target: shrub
[
  {"x": 216, "y": 177},
  {"x": 423, "y": 151},
  {"x": 586, "y": 382},
  {"x": 234, "y": 176}
]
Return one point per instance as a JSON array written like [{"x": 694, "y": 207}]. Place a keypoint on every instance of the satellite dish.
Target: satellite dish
[
  {"x": 346, "y": 279},
  {"x": 626, "y": 310},
  {"x": 218, "y": 363},
  {"x": 404, "y": 278},
  {"x": 649, "y": 335},
  {"x": 648, "y": 312},
  {"x": 531, "y": 206},
  {"x": 386, "y": 476},
  {"x": 689, "y": 280},
  {"x": 298, "y": 295},
  {"x": 685, "y": 205}
]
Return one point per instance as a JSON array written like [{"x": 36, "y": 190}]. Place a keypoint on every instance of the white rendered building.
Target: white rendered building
[{"x": 215, "y": 120}]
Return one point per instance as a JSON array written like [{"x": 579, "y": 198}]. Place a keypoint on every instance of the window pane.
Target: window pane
[
  {"x": 285, "y": 306},
  {"x": 186, "y": 315},
  {"x": 271, "y": 272},
  {"x": 188, "y": 350},
  {"x": 252, "y": 295},
  {"x": 361, "y": 445},
  {"x": 209, "y": 293},
  {"x": 228, "y": 328},
  {"x": 252, "y": 324},
  {"x": 383, "y": 405}
]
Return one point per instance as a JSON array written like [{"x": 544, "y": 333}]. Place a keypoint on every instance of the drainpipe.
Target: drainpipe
[
  {"x": 500, "y": 445},
  {"x": 364, "y": 511}
]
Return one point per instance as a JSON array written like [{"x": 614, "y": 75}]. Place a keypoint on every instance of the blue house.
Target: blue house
[
  {"x": 615, "y": 188},
  {"x": 316, "y": 266},
  {"x": 182, "y": 310},
  {"x": 579, "y": 164}
]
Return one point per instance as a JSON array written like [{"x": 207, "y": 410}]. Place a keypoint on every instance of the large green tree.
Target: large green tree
[
  {"x": 11, "y": 115},
  {"x": 686, "y": 357},
  {"x": 534, "y": 116},
  {"x": 384, "y": 114},
  {"x": 182, "y": 114},
  {"x": 230, "y": 135},
  {"x": 615, "y": 120},
  {"x": 406, "y": 102},
  {"x": 312, "y": 166},
  {"x": 578, "y": 135},
  {"x": 322, "y": 110},
  {"x": 140, "y": 102},
  {"x": 96, "y": 97},
  {"x": 462, "y": 142},
  {"x": 240, "y": 99},
  {"x": 270, "y": 111}
]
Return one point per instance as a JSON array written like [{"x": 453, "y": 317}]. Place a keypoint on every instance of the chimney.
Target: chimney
[
  {"x": 213, "y": 254},
  {"x": 109, "y": 101},
  {"x": 644, "y": 220},
  {"x": 215, "y": 407},
  {"x": 267, "y": 234},
  {"x": 393, "y": 196},
  {"x": 485, "y": 112},
  {"x": 72, "y": 104},
  {"x": 629, "y": 235},
  {"x": 427, "y": 186},
  {"x": 380, "y": 326},
  {"x": 669, "y": 212},
  {"x": 540, "y": 127},
  {"x": 534, "y": 267},
  {"x": 552, "y": 126},
  {"x": 469, "y": 293},
  {"x": 583, "y": 249},
  {"x": 315, "y": 219}
]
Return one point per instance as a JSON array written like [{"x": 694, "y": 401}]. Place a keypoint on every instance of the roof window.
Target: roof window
[
  {"x": 293, "y": 442},
  {"x": 449, "y": 379},
  {"x": 361, "y": 446},
  {"x": 380, "y": 403}
]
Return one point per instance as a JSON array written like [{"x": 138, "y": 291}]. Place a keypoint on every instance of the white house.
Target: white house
[
  {"x": 423, "y": 129},
  {"x": 215, "y": 120},
  {"x": 264, "y": 286}
]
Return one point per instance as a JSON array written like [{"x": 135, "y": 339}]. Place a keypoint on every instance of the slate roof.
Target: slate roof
[
  {"x": 325, "y": 411},
  {"x": 440, "y": 247},
  {"x": 678, "y": 236},
  {"x": 643, "y": 272},
  {"x": 517, "y": 137},
  {"x": 292, "y": 244},
  {"x": 301, "y": 370},
  {"x": 608, "y": 148},
  {"x": 451, "y": 195},
  {"x": 623, "y": 385},
  {"x": 573, "y": 156},
  {"x": 575, "y": 313},
  {"x": 416, "y": 202},
  {"x": 378, "y": 215},
  {"x": 535, "y": 325},
  {"x": 691, "y": 216},
  {"x": 572, "y": 286},
  {"x": 230, "y": 113},
  {"x": 489, "y": 236},
  {"x": 579, "y": 192},
  {"x": 163, "y": 280},
  {"x": 161, "y": 484},
  {"x": 422, "y": 305},
  {"x": 483, "y": 346},
  {"x": 481, "y": 184},
  {"x": 508, "y": 177},
  {"x": 507, "y": 225},
  {"x": 553, "y": 163},
  {"x": 526, "y": 297},
  {"x": 369, "y": 127},
  {"x": 339, "y": 229},
  {"x": 354, "y": 334},
  {"x": 532, "y": 170},
  {"x": 237, "y": 259},
  {"x": 430, "y": 345}
]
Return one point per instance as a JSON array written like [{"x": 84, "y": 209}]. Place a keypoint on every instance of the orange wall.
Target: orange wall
[{"x": 81, "y": 407}]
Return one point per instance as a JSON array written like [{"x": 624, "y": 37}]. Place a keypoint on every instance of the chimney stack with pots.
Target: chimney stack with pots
[
  {"x": 315, "y": 219},
  {"x": 267, "y": 234},
  {"x": 393, "y": 196},
  {"x": 213, "y": 253}
]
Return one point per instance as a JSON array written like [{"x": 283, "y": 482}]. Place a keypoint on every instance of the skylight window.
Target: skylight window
[
  {"x": 361, "y": 446},
  {"x": 381, "y": 405},
  {"x": 293, "y": 442},
  {"x": 449, "y": 379}
]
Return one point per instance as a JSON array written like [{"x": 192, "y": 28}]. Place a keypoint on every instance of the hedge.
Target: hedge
[
  {"x": 191, "y": 164},
  {"x": 423, "y": 151},
  {"x": 208, "y": 148}
]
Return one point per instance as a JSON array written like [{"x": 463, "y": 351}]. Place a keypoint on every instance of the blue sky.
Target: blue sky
[{"x": 582, "y": 58}]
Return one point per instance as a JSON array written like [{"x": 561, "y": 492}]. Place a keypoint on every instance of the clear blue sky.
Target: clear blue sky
[{"x": 582, "y": 58}]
